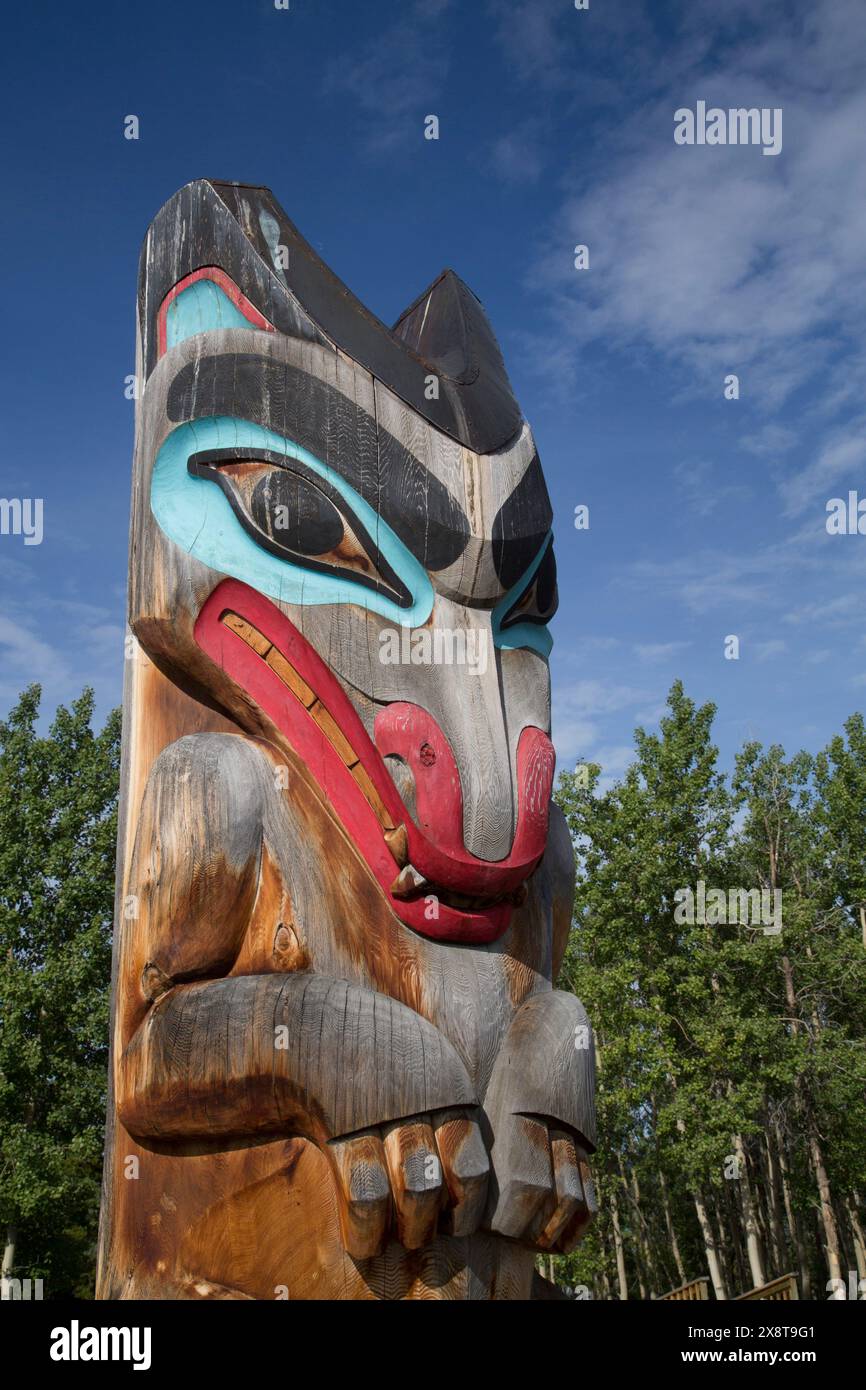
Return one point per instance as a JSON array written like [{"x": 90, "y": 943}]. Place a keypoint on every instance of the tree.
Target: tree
[
  {"x": 58, "y": 826},
  {"x": 731, "y": 1056}
]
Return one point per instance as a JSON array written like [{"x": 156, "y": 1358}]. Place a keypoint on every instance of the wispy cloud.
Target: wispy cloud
[
  {"x": 532, "y": 37},
  {"x": 90, "y": 653},
  {"x": 518, "y": 156},
  {"x": 656, "y": 652},
  {"x": 701, "y": 487},
  {"x": 769, "y": 650},
  {"x": 769, "y": 441},
  {"x": 582, "y": 711},
  {"x": 840, "y": 460},
  {"x": 396, "y": 75},
  {"x": 27, "y": 658},
  {"x": 717, "y": 258},
  {"x": 833, "y": 612}
]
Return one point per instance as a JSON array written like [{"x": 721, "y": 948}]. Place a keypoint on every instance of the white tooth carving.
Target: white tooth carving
[{"x": 407, "y": 881}]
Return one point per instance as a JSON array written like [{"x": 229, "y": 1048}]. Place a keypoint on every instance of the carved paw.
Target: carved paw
[
  {"x": 542, "y": 1194},
  {"x": 411, "y": 1179}
]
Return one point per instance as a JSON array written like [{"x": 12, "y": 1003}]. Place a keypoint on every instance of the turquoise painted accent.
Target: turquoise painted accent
[
  {"x": 531, "y": 635},
  {"x": 198, "y": 308},
  {"x": 197, "y": 516}
]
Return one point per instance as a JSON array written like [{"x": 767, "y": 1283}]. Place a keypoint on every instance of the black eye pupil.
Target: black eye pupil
[{"x": 292, "y": 510}]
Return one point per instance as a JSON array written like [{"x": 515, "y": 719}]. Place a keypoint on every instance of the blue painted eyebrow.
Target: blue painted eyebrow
[{"x": 532, "y": 635}]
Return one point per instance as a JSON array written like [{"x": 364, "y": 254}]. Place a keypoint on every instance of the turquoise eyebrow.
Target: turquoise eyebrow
[
  {"x": 533, "y": 635},
  {"x": 199, "y": 518}
]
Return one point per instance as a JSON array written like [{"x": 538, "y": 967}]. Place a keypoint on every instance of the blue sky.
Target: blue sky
[{"x": 707, "y": 516}]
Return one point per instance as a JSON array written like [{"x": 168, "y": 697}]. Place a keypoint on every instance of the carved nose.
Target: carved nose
[
  {"x": 413, "y": 735},
  {"x": 464, "y": 801}
]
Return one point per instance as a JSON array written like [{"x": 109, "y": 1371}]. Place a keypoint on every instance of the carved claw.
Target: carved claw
[
  {"x": 410, "y": 1179},
  {"x": 543, "y": 1195}
]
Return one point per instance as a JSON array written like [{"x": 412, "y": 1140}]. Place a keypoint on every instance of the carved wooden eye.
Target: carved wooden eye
[
  {"x": 298, "y": 516},
  {"x": 539, "y": 600},
  {"x": 292, "y": 509}
]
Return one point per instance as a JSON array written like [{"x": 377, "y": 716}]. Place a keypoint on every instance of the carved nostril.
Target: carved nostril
[{"x": 427, "y": 755}]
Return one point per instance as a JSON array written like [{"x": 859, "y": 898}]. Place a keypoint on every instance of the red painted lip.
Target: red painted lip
[{"x": 435, "y": 843}]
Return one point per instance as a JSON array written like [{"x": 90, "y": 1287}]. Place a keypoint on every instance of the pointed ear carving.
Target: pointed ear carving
[
  {"x": 238, "y": 226},
  {"x": 447, "y": 326}
]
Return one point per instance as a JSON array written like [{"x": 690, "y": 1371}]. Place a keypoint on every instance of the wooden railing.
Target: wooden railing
[
  {"x": 697, "y": 1289},
  {"x": 778, "y": 1290}
]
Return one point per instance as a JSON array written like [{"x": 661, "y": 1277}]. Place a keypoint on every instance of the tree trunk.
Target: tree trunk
[
  {"x": 9, "y": 1252},
  {"x": 643, "y": 1236},
  {"x": 774, "y": 1204},
  {"x": 729, "y": 1218},
  {"x": 831, "y": 1235},
  {"x": 856, "y": 1235},
  {"x": 715, "y": 1269},
  {"x": 795, "y": 1225},
  {"x": 618, "y": 1247},
  {"x": 672, "y": 1235},
  {"x": 750, "y": 1222}
]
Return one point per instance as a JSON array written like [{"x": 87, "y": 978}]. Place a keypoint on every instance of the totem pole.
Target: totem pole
[{"x": 339, "y": 1065}]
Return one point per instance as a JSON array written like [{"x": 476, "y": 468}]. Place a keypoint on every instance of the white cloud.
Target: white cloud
[
  {"x": 701, "y": 489},
  {"x": 841, "y": 460},
  {"x": 659, "y": 651},
  {"x": 770, "y": 441},
  {"x": 834, "y": 612},
  {"x": 91, "y": 653},
  {"x": 532, "y": 36},
  {"x": 768, "y": 650},
  {"x": 27, "y": 658},
  {"x": 720, "y": 259},
  {"x": 581, "y": 711}
]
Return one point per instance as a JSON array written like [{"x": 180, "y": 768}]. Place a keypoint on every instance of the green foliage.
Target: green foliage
[
  {"x": 707, "y": 1032},
  {"x": 712, "y": 1033},
  {"x": 58, "y": 827}
]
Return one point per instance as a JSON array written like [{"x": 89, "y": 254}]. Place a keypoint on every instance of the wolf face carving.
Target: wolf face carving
[{"x": 340, "y": 1069}]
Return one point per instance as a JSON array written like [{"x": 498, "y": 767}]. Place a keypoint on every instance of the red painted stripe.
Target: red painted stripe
[{"x": 226, "y": 284}]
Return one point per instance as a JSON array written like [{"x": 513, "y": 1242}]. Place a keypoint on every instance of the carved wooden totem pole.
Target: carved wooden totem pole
[{"x": 340, "y": 1069}]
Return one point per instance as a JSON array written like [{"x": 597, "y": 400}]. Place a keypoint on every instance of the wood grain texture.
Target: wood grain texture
[{"x": 312, "y": 1096}]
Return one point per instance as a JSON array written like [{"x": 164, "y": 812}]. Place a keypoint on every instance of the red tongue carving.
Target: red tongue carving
[{"x": 436, "y": 845}]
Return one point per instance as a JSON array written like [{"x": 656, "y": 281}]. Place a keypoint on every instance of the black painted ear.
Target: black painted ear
[
  {"x": 243, "y": 231},
  {"x": 448, "y": 327}
]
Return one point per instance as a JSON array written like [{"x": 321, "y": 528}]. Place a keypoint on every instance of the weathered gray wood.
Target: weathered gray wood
[{"x": 426, "y": 1126}]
